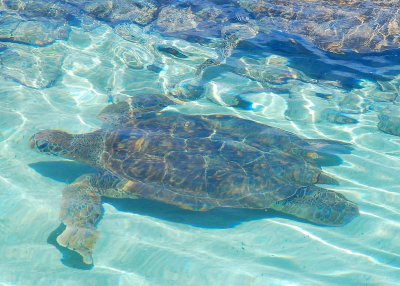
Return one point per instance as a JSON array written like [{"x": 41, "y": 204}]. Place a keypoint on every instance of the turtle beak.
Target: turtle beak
[{"x": 32, "y": 142}]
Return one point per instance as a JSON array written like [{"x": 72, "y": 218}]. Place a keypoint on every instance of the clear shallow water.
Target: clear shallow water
[{"x": 65, "y": 84}]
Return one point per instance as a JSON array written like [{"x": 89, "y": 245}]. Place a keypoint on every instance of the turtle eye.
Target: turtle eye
[{"x": 42, "y": 145}]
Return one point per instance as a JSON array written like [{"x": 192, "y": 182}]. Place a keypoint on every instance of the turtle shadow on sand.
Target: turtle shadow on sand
[{"x": 220, "y": 218}]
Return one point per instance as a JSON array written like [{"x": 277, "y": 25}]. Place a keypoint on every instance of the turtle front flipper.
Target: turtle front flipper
[
  {"x": 79, "y": 239},
  {"x": 80, "y": 211},
  {"x": 317, "y": 205}
]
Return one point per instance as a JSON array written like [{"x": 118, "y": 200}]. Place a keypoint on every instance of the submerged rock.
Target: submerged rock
[
  {"x": 51, "y": 10},
  {"x": 173, "y": 19},
  {"x": 271, "y": 70},
  {"x": 32, "y": 67},
  {"x": 40, "y": 8},
  {"x": 385, "y": 91},
  {"x": 132, "y": 33},
  {"x": 389, "y": 120},
  {"x": 171, "y": 51},
  {"x": 136, "y": 11},
  {"x": 199, "y": 22},
  {"x": 354, "y": 103},
  {"x": 337, "y": 117},
  {"x": 297, "y": 109},
  {"x": 201, "y": 16},
  {"x": 38, "y": 31},
  {"x": 231, "y": 35},
  {"x": 335, "y": 26}
]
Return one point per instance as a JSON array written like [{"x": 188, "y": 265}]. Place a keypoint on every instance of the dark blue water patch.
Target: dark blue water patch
[
  {"x": 243, "y": 104},
  {"x": 347, "y": 68},
  {"x": 200, "y": 37},
  {"x": 171, "y": 51},
  {"x": 154, "y": 68},
  {"x": 196, "y": 39},
  {"x": 374, "y": 61},
  {"x": 73, "y": 20},
  {"x": 326, "y": 96},
  {"x": 337, "y": 117},
  {"x": 62, "y": 171},
  {"x": 10, "y": 40}
]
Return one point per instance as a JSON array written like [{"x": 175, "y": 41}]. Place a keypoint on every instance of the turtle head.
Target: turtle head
[
  {"x": 85, "y": 148},
  {"x": 52, "y": 142}
]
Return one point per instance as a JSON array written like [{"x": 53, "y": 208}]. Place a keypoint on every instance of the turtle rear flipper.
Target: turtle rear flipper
[
  {"x": 317, "y": 205},
  {"x": 325, "y": 179},
  {"x": 325, "y": 152},
  {"x": 326, "y": 146}
]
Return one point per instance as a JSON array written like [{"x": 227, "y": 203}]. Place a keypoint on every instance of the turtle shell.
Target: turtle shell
[
  {"x": 220, "y": 127},
  {"x": 228, "y": 172}
]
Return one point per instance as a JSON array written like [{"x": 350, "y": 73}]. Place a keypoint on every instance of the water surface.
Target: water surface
[{"x": 85, "y": 61}]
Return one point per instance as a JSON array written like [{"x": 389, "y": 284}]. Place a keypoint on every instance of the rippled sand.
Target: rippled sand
[{"x": 145, "y": 243}]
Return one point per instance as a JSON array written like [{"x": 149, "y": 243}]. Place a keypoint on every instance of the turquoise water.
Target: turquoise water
[{"x": 60, "y": 76}]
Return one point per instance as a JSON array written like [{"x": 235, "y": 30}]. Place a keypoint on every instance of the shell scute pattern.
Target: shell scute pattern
[
  {"x": 219, "y": 169},
  {"x": 217, "y": 127}
]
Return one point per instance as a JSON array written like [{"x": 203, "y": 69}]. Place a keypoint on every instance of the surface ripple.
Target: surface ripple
[{"x": 286, "y": 84}]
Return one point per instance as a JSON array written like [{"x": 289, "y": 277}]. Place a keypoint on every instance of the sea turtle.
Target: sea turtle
[{"x": 187, "y": 166}]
